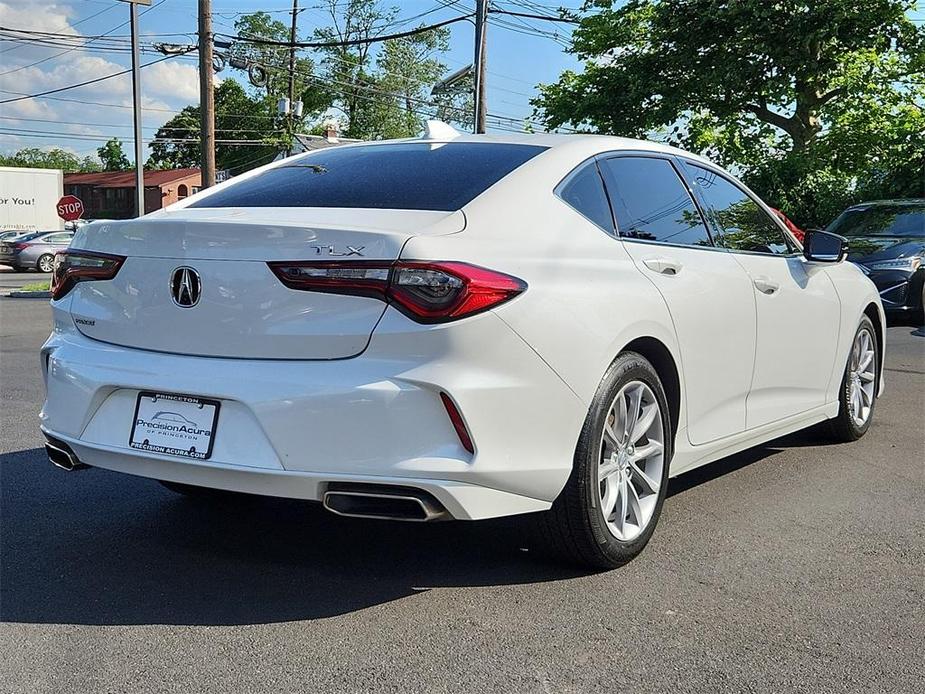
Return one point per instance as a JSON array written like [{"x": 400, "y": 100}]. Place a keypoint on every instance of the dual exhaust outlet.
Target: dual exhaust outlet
[{"x": 385, "y": 502}]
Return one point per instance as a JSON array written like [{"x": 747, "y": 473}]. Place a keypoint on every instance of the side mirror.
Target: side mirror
[{"x": 824, "y": 247}]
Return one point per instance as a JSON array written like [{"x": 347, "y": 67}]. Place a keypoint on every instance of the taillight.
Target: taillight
[
  {"x": 74, "y": 266},
  {"x": 20, "y": 246},
  {"x": 427, "y": 292}
]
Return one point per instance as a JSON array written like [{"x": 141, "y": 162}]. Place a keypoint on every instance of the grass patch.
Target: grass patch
[{"x": 37, "y": 286}]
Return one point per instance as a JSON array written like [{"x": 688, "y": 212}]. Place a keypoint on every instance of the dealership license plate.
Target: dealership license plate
[{"x": 181, "y": 425}]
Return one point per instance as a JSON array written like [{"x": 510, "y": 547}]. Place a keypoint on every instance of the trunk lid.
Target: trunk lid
[{"x": 242, "y": 309}]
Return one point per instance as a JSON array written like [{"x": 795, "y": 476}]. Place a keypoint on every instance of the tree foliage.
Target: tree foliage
[
  {"x": 112, "y": 157},
  {"x": 238, "y": 116},
  {"x": 384, "y": 91},
  {"x": 35, "y": 158},
  {"x": 817, "y": 103}
]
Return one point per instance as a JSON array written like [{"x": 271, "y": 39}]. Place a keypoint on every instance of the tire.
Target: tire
[
  {"x": 846, "y": 426},
  {"x": 575, "y": 529},
  {"x": 45, "y": 263}
]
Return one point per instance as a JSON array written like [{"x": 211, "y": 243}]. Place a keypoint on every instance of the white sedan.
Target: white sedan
[{"x": 458, "y": 327}]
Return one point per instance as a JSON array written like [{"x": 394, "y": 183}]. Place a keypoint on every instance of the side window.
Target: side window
[
  {"x": 650, "y": 202},
  {"x": 745, "y": 226},
  {"x": 584, "y": 191},
  {"x": 57, "y": 238}
]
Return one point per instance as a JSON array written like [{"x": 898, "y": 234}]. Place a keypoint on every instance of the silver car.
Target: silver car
[{"x": 35, "y": 251}]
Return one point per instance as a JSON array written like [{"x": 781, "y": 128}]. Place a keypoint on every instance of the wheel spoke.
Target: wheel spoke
[
  {"x": 606, "y": 469},
  {"x": 621, "y": 418},
  {"x": 866, "y": 376},
  {"x": 646, "y": 451},
  {"x": 865, "y": 361},
  {"x": 610, "y": 496},
  {"x": 644, "y": 422},
  {"x": 634, "y": 506},
  {"x": 865, "y": 397},
  {"x": 609, "y": 434},
  {"x": 632, "y": 412},
  {"x": 649, "y": 485},
  {"x": 623, "y": 505}
]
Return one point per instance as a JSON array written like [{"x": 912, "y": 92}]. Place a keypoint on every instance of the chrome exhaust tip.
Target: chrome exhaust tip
[
  {"x": 61, "y": 456},
  {"x": 384, "y": 502}
]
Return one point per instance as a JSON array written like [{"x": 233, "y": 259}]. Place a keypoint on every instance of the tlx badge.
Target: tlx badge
[{"x": 332, "y": 250}]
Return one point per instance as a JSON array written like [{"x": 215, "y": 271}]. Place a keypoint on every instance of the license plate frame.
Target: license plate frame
[{"x": 167, "y": 426}]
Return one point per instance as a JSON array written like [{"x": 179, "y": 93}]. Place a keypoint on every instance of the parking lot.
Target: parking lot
[{"x": 798, "y": 566}]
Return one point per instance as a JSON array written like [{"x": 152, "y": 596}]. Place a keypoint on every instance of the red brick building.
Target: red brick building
[{"x": 111, "y": 194}]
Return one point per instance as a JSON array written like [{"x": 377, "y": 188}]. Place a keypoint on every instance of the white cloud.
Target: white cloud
[{"x": 166, "y": 87}]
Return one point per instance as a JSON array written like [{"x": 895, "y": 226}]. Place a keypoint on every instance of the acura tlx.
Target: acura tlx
[{"x": 457, "y": 327}]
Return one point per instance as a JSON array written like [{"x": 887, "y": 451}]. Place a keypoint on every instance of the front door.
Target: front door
[{"x": 798, "y": 307}]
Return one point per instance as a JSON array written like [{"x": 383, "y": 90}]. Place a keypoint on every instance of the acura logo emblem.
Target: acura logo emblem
[{"x": 185, "y": 287}]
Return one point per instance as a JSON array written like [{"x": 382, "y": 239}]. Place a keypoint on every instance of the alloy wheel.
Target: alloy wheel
[
  {"x": 631, "y": 461},
  {"x": 46, "y": 263},
  {"x": 862, "y": 377}
]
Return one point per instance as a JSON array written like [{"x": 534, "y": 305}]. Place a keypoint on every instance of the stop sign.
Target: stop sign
[{"x": 70, "y": 208}]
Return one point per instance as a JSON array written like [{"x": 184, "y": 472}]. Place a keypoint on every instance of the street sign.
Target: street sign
[{"x": 70, "y": 208}]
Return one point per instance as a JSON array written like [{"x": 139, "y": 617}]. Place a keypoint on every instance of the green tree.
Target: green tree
[
  {"x": 33, "y": 157},
  {"x": 238, "y": 116},
  {"x": 347, "y": 70},
  {"x": 112, "y": 157},
  {"x": 817, "y": 103},
  {"x": 406, "y": 70}
]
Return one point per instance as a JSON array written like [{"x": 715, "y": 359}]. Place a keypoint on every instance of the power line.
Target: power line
[
  {"x": 68, "y": 50},
  {"x": 352, "y": 42},
  {"x": 83, "y": 84}
]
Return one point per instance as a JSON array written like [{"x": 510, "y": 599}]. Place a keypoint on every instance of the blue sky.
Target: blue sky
[
  {"x": 518, "y": 59},
  {"x": 80, "y": 119}
]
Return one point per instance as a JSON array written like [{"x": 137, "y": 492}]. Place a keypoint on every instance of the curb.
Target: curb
[{"x": 19, "y": 294}]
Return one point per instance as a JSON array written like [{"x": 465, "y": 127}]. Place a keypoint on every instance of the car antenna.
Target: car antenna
[{"x": 438, "y": 130}]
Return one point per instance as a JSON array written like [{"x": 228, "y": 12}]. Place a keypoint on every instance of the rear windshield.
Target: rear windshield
[{"x": 406, "y": 176}]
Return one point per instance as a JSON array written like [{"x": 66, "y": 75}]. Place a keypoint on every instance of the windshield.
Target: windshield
[
  {"x": 401, "y": 176},
  {"x": 881, "y": 220}
]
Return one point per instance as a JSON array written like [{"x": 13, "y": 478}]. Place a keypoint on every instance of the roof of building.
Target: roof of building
[{"x": 126, "y": 179}]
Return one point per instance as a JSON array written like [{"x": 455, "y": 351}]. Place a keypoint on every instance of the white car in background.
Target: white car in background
[{"x": 458, "y": 327}]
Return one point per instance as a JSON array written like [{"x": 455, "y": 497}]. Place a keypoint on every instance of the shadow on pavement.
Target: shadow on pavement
[{"x": 96, "y": 547}]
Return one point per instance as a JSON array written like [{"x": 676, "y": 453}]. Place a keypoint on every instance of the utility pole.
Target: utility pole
[
  {"x": 481, "y": 30},
  {"x": 290, "y": 117},
  {"x": 136, "y": 102},
  {"x": 206, "y": 96}
]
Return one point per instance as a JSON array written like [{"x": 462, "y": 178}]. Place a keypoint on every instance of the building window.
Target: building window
[{"x": 182, "y": 191}]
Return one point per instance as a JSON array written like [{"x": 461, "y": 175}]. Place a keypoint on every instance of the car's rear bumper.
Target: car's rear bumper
[
  {"x": 462, "y": 501},
  {"x": 291, "y": 428}
]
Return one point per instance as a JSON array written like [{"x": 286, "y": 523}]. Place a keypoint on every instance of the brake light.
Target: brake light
[
  {"x": 427, "y": 292},
  {"x": 20, "y": 246},
  {"x": 73, "y": 266}
]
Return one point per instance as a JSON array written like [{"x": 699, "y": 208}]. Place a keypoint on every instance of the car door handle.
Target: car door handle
[
  {"x": 662, "y": 265},
  {"x": 765, "y": 285}
]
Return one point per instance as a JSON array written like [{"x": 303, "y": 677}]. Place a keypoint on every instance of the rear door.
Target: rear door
[
  {"x": 708, "y": 293},
  {"x": 798, "y": 307}
]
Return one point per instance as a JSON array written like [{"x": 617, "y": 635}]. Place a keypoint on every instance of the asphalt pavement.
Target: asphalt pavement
[
  {"x": 798, "y": 566},
  {"x": 16, "y": 280}
]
